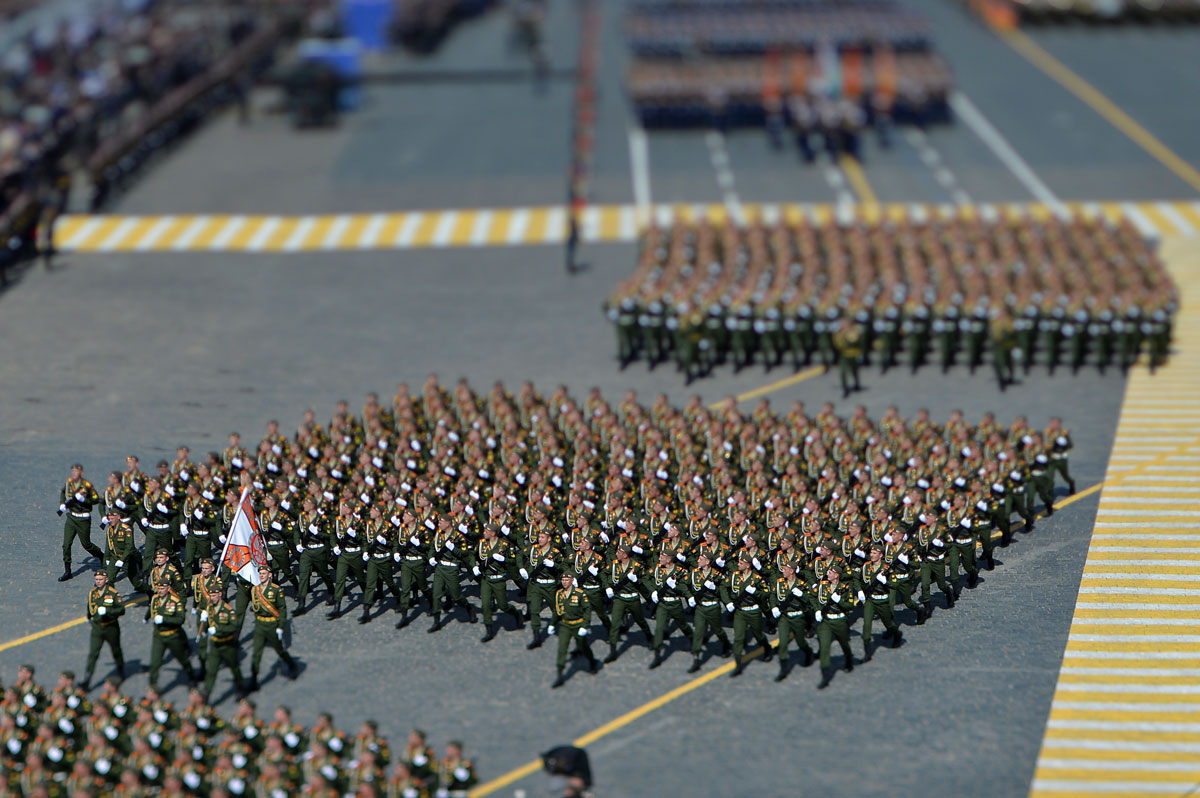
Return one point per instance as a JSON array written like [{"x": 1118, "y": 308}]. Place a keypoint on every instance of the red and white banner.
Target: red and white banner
[{"x": 245, "y": 549}]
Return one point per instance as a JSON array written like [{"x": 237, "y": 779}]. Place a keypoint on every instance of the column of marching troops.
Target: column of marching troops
[
  {"x": 899, "y": 291},
  {"x": 62, "y": 743},
  {"x": 696, "y": 519}
]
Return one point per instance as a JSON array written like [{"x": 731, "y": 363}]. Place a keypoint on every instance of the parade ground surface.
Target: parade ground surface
[{"x": 121, "y": 352}]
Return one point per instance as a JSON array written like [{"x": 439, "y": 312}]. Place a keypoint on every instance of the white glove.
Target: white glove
[
  {"x": 414, "y": 540},
  {"x": 671, "y": 582},
  {"x": 691, "y": 601},
  {"x": 609, "y": 592},
  {"x": 278, "y": 527},
  {"x": 475, "y": 570},
  {"x": 432, "y": 561},
  {"x": 498, "y": 557},
  {"x": 299, "y": 549},
  {"x": 450, "y": 545},
  {"x": 102, "y": 611},
  {"x": 158, "y": 619},
  {"x": 120, "y": 503},
  {"x": 604, "y": 537},
  {"x": 797, "y": 592},
  {"x": 593, "y": 570},
  {"x": 550, "y": 629},
  {"x": 836, "y": 597},
  {"x": 183, "y": 530},
  {"x": 352, "y": 532},
  {"x": 720, "y": 562},
  {"x": 583, "y": 632},
  {"x": 366, "y": 557},
  {"x": 861, "y": 596},
  {"x": 145, "y": 523},
  {"x": 162, "y": 508},
  {"x": 820, "y": 617},
  {"x": 221, "y": 538},
  {"x": 279, "y": 633},
  {"x": 881, "y": 579},
  {"x": 212, "y": 630},
  {"x": 337, "y": 550},
  {"x": 903, "y": 558},
  {"x": 203, "y": 615},
  {"x": 524, "y": 574},
  {"x": 136, "y": 485},
  {"x": 120, "y": 563},
  {"x": 549, "y": 563},
  {"x": 708, "y": 583},
  {"x": 751, "y": 589},
  {"x": 654, "y": 596},
  {"x": 757, "y": 565},
  {"x": 381, "y": 540},
  {"x": 775, "y": 613},
  {"x": 103, "y": 521},
  {"x": 638, "y": 550},
  {"x": 396, "y": 557},
  {"x": 729, "y": 607}
]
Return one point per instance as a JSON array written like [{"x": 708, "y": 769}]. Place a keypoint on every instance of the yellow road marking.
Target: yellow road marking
[
  {"x": 1101, "y": 105},
  {"x": 858, "y": 180},
  {"x": 29, "y": 638}
]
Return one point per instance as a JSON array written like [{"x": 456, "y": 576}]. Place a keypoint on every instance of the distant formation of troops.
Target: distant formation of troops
[
  {"x": 1062, "y": 292},
  {"x": 60, "y": 742},
  {"x": 698, "y": 519}
]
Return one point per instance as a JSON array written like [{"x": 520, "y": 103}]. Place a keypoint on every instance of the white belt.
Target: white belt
[
  {"x": 80, "y": 515},
  {"x": 449, "y": 563}
]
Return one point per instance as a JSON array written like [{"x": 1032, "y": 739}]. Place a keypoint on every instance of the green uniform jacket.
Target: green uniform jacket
[
  {"x": 108, "y": 598},
  {"x": 170, "y": 607}
]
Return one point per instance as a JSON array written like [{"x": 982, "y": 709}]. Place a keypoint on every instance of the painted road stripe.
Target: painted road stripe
[
  {"x": 1129, "y": 684},
  {"x": 460, "y": 227}
]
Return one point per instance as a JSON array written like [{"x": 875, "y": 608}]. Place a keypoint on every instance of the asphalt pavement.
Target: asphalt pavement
[{"x": 112, "y": 354}]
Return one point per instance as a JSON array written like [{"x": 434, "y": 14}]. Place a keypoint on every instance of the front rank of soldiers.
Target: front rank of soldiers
[{"x": 696, "y": 520}]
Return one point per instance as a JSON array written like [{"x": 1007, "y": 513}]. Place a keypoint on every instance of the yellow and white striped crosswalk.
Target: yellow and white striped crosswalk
[
  {"x": 1125, "y": 720},
  {"x": 491, "y": 227}
]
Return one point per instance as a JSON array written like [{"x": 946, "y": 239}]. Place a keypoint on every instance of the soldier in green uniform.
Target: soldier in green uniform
[
  {"x": 963, "y": 551},
  {"x": 588, "y": 565},
  {"x": 223, "y": 633},
  {"x": 543, "y": 562},
  {"x": 624, "y": 587},
  {"x": 380, "y": 551},
  {"x": 494, "y": 553},
  {"x": 933, "y": 544},
  {"x": 901, "y": 558},
  {"x": 166, "y": 611},
  {"x": 834, "y": 602},
  {"x": 748, "y": 594},
  {"x": 279, "y": 533},
  {"x": 348, "y": 534},
  {"x": 75, "y": 502},
  {"x": 270, "y": 616},
  {"x": 414, "y": 578},
  {"x": 1003, "y": 343},
  {"x": 1059, "y": 440},
  {"x": 789, "y": 605},
  {"x": 447, "y": 549},
  {"x": 196, "y": 527},
  {"x": 574, "y": 613},
  {"x": 669, "y": 590},
  {"x": 876, "y": 597},
  {"x": 104, "y": 611},
  {"x": 709, "y": 594},
  {"x": 312, "y": 533},
  {"x": 120, "y": 552},
  {"x": 158, "y": 510},
  {"x": 201, "y": 586},
  {"x": 850, "y": 349}
]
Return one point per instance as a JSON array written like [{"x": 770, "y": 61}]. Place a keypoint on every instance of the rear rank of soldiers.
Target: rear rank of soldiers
[{"x": 688, "y": 520}]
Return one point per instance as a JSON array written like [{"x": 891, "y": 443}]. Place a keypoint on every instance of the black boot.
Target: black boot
[
  {"x": 826, "y": 678},
  {"x": 928, "y": 607},
  {"x": 695, "y": 664},
  {"x": 658, "y": 659},
  {"x": 470, "y": 613},
  {"x": 537, "y": 640},
  {"x": 491, "y": 633},
  {"x": 808, "y": 657},
  {"x": 404, "y": 620},
  {"x": 593, "y": 663},
  {"x": 66, "y": 572},
  {"x": 921, "y": 616},
  {"x": 972, "y": 580},
  {"x": 898, "y": 639},
  {"x": 516, "y": 614},
  {"x": 991, "y": 562},
  {"x": 783, "y": 669},
  {"x": 437, "y": 623},
  {"x": 768, "y": 652},
  {"x": 336, "y": 612},
  {"x": 738, "y": 668},
  {"x": 300, "y": 609},
  {"x": 726, "y": 649},
  {"x": 950, "y": 600},
  {"x": 559, "y": 680},
  {"x": 366, "y": 614},
  {"x": 849, "y": 666},
  {"x": 612, "y": 654},
  {"x": 86, "y": 684},
  {"x": 867, "y": 652}
]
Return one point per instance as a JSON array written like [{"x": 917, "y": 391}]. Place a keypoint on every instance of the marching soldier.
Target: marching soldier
[
  {"x": 876, "y": 597},
  {"x": 624, "y": 588},
  {"x": 223, "y": 631},
  {"x": 447, "y": 546},
  {"x": 104, "y": 610},
  {"x": 196, "y": 526},
  {"x": 849, "y": 343},
  {"x": 834, "y": 602},
  {"x": 455, "y": 774},
  {"x": 543, "y": 562},
  {"x": 747, "y": 592},
  {"x": 709, "y": 594},
  {"x": 348, "y": 551},
  {"x": 76, "y": 499},
  {"x": 120, "y": 552},
  {"x": 158, "y": 510},
  {"x": 574, "y": 613},
  {"x": 934, "y": 543},
  {"x": 587, "y": 565},
  {"x": 379, "y": 554},
  {"x": 963, "y": 551},
  {"x": 494, "y": 555},
  {"x": 166, "y": 611},
  {"x": 279, "y": 533},
  {"x": 313, "y": 538},
  {"x": 1059, "y": 439},
  {"x": 413, "y": 542},
  {"x": 669, "y": 590},
  {"x": 203, "y": 585},
  {"x": 789, "y": 606},
  {"x": 270, "y": 617}
]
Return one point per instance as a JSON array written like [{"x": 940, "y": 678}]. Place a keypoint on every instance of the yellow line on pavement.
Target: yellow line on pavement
[
  {"x": 20, "y": 641},
  {"x": 858, "y": 179},
  {"x": 771, "y": 387},
  {"x": 1090, "y": 95}
]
